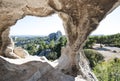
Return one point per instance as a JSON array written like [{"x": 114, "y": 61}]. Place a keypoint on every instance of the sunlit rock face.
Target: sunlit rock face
[{"x": 80, "y": 18}]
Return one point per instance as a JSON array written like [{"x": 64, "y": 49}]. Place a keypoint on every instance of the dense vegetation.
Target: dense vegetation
[
  {"x": 108, "y": 40},
  {"x": 51, "y": 48},
  {"x": 42, "y": 46},
  {"x": 104, "y": 70},
  {"x": 93, "y": 56},
  {"x": 108, "y": 71}
]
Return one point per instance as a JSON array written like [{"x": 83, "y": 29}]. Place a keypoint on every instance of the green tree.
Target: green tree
[
  {"x": 62, "y": 40},
  {"x": 93, "y": 56},
  {"x": 52, "y": 56},
  {"x": 90, "y": 42},
  {"x": 52, "y": 44},
  {"x": 108, "y": 71}
]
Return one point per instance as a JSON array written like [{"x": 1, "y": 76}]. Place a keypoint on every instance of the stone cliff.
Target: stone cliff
[{"x": 80, "y": 18}]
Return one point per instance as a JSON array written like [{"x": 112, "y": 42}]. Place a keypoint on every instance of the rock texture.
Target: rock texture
[
  {"x": 37, "y": 70},
  {"x": 80, "y": 18},
  {"x": 20, "y": 52},
  {"x": 55, "y": 36}
]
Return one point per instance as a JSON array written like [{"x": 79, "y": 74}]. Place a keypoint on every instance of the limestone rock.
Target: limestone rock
[
  {"x": 9, "y": 53},
  {"x": 8, "y": 45},
  {"x": 36, "y": 70},
  {"x": 55, "y": 36},
  {"x": 80, "y": 18},
  {"x": 20, "y": 52}
]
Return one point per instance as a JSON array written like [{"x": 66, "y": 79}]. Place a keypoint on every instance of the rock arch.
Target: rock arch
[{"x": 80, "y": 18}]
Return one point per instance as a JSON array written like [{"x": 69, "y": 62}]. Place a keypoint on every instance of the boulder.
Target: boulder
[
  {"x": 34, "y": 70},
  {"x": 20, "y": 52}
]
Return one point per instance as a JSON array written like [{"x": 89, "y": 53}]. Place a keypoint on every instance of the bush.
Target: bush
[
  {"x": 93, "y": 56},
  {"x": 108, "y": 71},
  {"x": 52, "y": 56}
]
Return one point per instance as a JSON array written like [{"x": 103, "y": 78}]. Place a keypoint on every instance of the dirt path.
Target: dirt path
[{"x": 108, "y": 52}]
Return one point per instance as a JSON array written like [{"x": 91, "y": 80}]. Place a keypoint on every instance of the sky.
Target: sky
[
  {"x": 110, "y": 24},
  {"x": 31, "y": 25}
]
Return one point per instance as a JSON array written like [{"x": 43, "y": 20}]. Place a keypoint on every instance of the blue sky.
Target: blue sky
[
  {"x": 110, "y": 24},
  {"x": 31, "y": 25}
]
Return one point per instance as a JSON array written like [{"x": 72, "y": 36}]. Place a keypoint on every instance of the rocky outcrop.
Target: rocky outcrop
[
  {"x": 8, "y": 45},
  {"x": 80, "y": 18},
  {"x": 37, "y": 70},
  {"x": 20, "y": 52},
  {"x": 8, "y": 48},
  {"x": 55, "y": 36}
]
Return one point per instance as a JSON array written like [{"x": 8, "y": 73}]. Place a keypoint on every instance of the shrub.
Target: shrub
[
  {"x": 93, "y": 56},
  {"x": 52, "y": 56},
  {"x": 108, "y": 71}
]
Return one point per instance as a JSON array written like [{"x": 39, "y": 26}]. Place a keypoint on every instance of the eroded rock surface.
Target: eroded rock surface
[
  {"x": 20, "y": 52},
  {"x": 37, "y": 70},
  {"x": 80, "y": 18}
]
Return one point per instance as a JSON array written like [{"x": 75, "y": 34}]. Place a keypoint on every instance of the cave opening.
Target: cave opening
[
  {"x": 105, "y": 43},
  {"x": 106, "y": 38},
  {"x": 41, "y": 36},
  {"x": 107, "y": 33}
]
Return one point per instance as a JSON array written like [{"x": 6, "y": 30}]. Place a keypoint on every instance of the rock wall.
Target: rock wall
[{"x": 80, "y": 18}]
